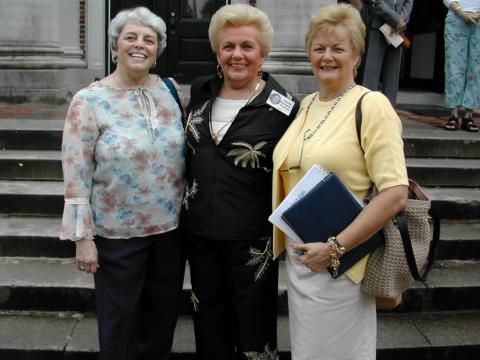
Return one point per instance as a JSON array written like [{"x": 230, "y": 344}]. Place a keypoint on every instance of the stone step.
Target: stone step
[
  {"x": 46, "y": 165},
  {"x": 56, "y": 285},
  {"x": 421, "y": 140},
  {"x": 427, "y": 141},
  {"x": 32, "y": 134},
  {"x": 33, "y": 237},
  {"x": 444, "y": 335},
  {"x": 31, "y": 197},
  {"x": 455, "y": 203},
  {"x": 46, "y": 198},
  {"x": 30, "y": 165},
  {"x": 459, "y": 240},
  {"x": 444, "y": 172},
  {"x": 38, "y": 237}
]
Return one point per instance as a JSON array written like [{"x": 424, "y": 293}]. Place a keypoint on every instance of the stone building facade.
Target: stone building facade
[{"x": 51, "y": 48}]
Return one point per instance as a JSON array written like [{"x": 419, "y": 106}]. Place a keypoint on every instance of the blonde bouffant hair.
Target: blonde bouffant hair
[
  {"x": 238, "y": 15},
  {"x": 338, "y": 19}
]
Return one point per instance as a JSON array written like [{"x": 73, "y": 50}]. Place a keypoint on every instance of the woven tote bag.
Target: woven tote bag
[
  {"x": 408, "y": 250},
  {"x": 411, "y": 239}
]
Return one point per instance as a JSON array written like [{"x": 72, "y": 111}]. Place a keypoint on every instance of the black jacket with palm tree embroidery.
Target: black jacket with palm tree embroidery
[{"x": 228, "y": 195}]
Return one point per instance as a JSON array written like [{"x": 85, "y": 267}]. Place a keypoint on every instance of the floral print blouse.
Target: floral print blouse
[{"x": 123, "y": 162}]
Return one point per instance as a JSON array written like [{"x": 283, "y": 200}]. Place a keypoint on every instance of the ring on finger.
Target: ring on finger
[{"x": 81, "y": 268}]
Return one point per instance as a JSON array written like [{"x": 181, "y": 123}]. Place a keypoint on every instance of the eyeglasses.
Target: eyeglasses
[{"x": 297, "y": 166}]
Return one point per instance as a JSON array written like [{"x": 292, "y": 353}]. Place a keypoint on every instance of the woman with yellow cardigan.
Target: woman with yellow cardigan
[{"x": 333, "y": 319}]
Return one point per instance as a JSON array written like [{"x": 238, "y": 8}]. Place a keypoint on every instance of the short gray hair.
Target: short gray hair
[
  {"x": 139, "y": 15},
  {"x": 237, "y": 15}
]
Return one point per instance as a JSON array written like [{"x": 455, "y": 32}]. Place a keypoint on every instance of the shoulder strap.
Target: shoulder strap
[
  {"x": 400, "y": 221},
  {"x": 358, "y": 118},
  {"x": 173, "y": 91}
]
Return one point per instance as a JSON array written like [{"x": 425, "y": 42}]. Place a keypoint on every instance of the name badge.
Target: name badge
[{"x": 280, "y": 102}]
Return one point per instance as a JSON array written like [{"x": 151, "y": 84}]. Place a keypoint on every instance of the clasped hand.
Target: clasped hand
[
  {"x": 316, "y": 256},
  {"x": 468, "y": 18},
  {"x": 401, "y": 26}
]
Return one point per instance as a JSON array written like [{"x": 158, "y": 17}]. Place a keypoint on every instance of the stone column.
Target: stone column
[
  {"x": 288, "y": 59},
  {"x": 42, "y": 55}
]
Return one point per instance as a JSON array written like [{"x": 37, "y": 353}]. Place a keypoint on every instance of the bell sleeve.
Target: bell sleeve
[{"x": 80, "y": 135}]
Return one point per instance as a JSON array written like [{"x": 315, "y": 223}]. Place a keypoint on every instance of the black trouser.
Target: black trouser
[
  {"x": 237, "y": 302},
  {"x": 137, "y": 287}
]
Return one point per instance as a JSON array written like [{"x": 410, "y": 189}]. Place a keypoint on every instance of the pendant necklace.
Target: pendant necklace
[{"x": 216, "y": 134}]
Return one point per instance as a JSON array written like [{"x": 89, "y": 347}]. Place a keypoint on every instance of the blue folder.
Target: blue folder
[{"x": 325, "y": 211}]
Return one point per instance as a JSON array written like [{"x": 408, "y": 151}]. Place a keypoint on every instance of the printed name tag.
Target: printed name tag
[{"x": 280, "y": 102}]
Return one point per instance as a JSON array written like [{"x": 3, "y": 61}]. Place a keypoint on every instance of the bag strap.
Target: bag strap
[
  {"x": 358, "y": 119},
  {"x": 401, "y": 223},
  {"x": 173, "y": 91}
]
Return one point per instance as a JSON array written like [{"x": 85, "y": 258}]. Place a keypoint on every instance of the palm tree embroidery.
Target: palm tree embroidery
[
  {"x": 194, "y": 119},
  {"x": 248, "y": 154},
  {"x": 267, "y": 354},
  {"x": 194, "y": 300},
  {"x": 190, "y": 192},
  {"x": 260, "y": 258}
]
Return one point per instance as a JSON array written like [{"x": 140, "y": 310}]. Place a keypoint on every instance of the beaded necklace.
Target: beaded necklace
[{"x": 334, "y": 105}]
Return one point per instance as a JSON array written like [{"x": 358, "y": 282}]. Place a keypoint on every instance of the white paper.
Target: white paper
[
  {"x": 313, "y": 176},
  {"x": 391, "y": 35}
]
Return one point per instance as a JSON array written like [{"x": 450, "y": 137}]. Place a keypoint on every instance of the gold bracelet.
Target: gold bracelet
[
  {"x": 335, "y": 263},
  {"x": 336, "y": 250},
  {"x": 335, "y": 245}
]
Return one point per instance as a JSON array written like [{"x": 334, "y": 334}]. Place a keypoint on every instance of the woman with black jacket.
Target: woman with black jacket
[{"x": 235, "y": 119}]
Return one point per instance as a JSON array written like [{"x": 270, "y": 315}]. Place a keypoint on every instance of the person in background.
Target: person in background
[
  {"x": 382, "y": 61},
  {"x": 235, "y": 119},
  {"x": 332, "y": 319},
  {"x": 462, "y": 62},
  {"x": 123, "y": 163},
  {"x": 357, "y": 4}
]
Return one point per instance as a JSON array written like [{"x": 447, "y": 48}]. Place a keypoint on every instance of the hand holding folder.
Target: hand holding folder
[{"x": 324, "y": 211}]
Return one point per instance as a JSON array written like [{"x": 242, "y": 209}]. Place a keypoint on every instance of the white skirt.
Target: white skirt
[{"x": 329, "y": 319}]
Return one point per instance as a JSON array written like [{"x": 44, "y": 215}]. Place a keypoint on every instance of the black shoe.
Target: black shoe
[
  {"x": 469, "y": 125},
  {"x": 452, "y": 123}
]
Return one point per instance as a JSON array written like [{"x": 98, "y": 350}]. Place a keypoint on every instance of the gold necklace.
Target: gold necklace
[{"x": 216, "y": 134}]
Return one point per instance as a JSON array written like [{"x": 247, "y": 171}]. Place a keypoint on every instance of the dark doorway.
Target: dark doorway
[
  {"x": 188, "y": 53},
  {"x": 423, "y": 65}
]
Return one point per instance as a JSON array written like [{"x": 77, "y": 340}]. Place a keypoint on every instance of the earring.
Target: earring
[
  {"x": 260, "y": 74},
  {"x": 219, "y": 71},
  {"x": 114, "y": 58},
  {"x": 154, "y": 64}
]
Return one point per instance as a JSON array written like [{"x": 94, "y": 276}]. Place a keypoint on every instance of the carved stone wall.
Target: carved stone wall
[{"x": 45, "y": 53}]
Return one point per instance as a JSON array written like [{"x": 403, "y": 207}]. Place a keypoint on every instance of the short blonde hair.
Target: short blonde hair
[
  {"x": 338, "y": 19},
  {"x": 237, "y": 15}
]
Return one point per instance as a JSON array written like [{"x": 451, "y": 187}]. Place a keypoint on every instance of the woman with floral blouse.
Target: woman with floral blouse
[
  {"x": 235, "y": 119},
  {"x": 123, "y": 162}
]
